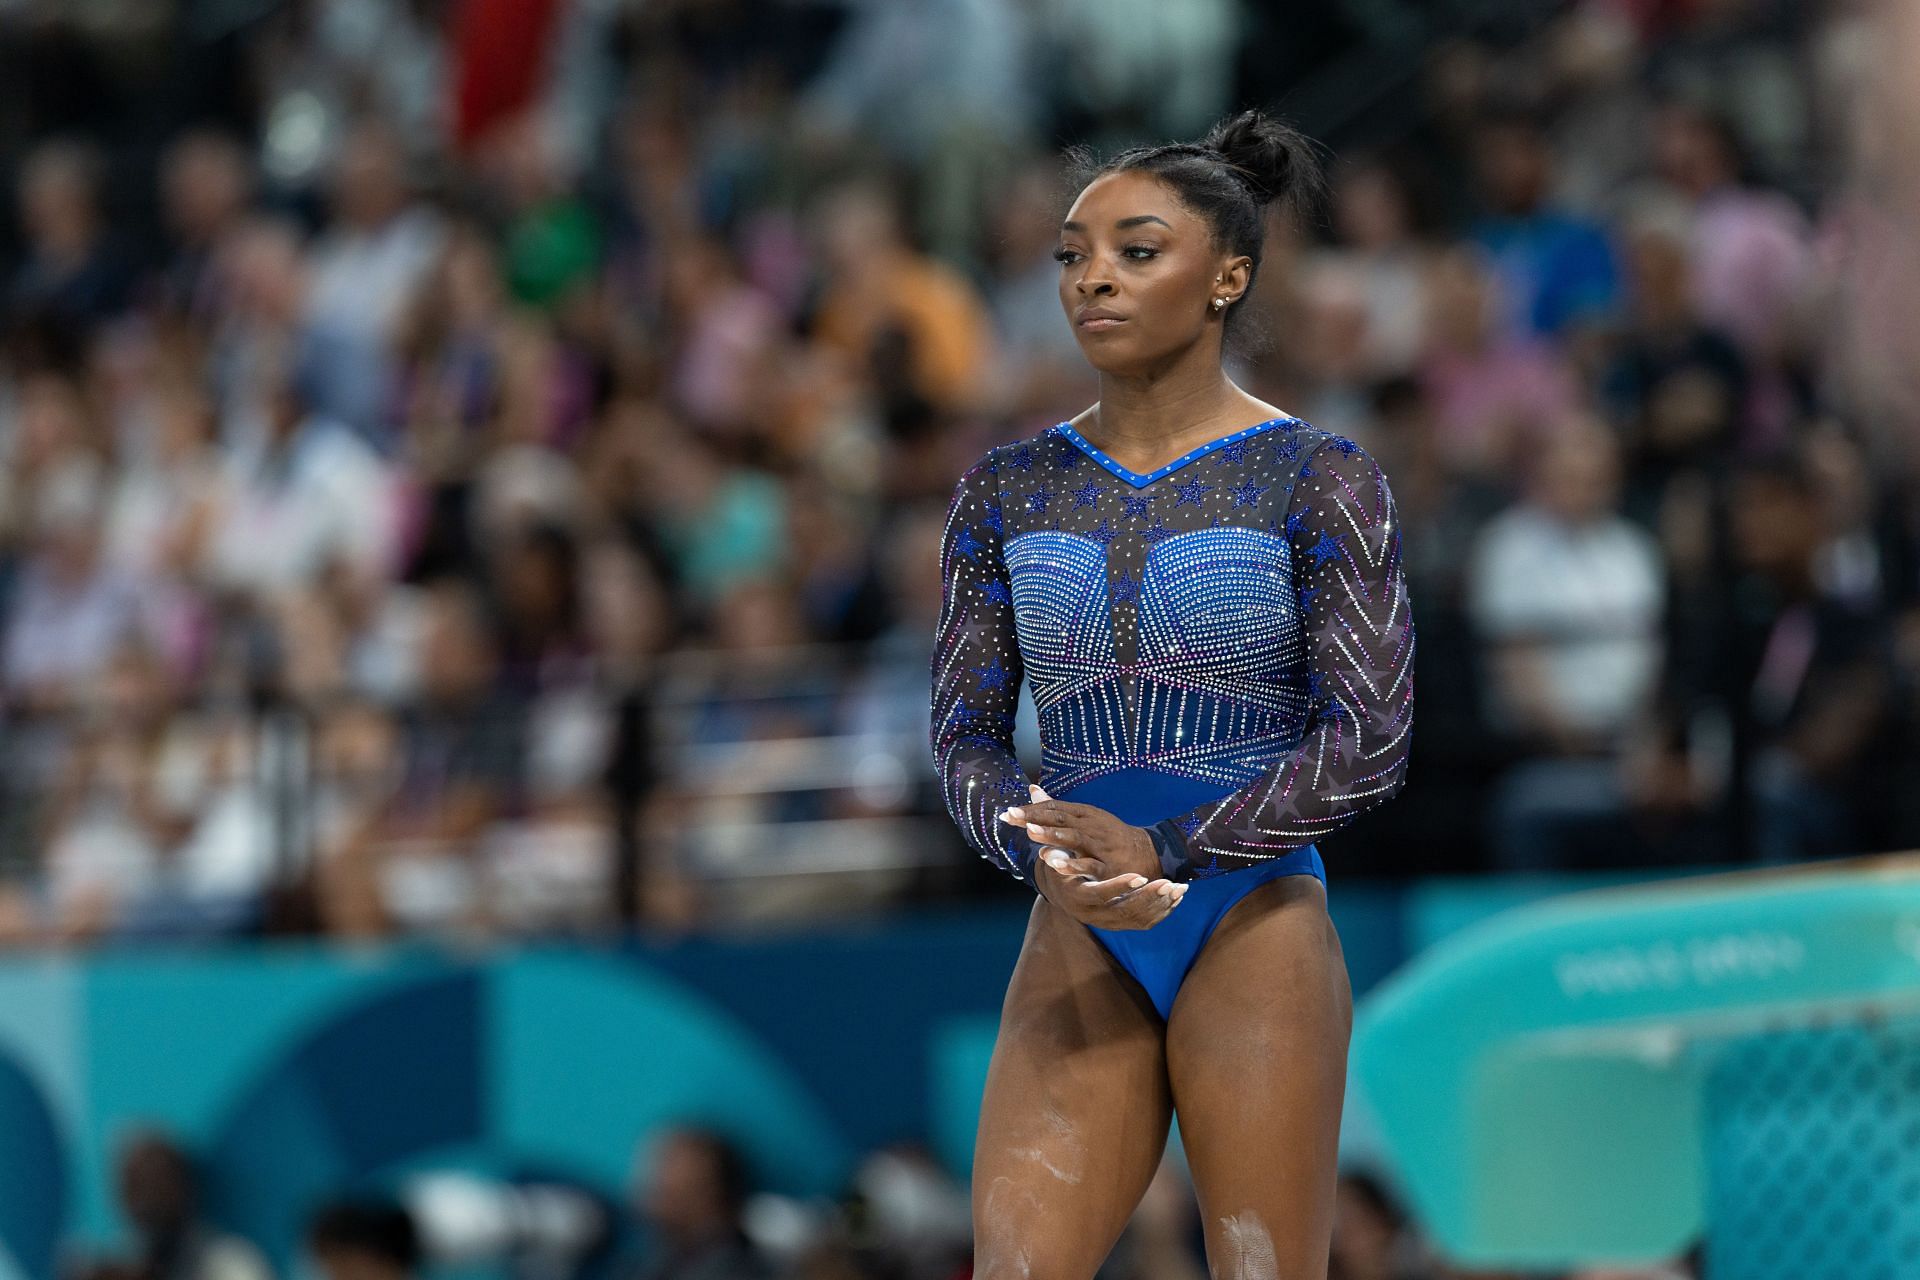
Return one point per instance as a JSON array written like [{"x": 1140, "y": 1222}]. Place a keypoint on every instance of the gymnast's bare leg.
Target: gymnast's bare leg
[
  {"x": 1075, "y": 1115},
  {"x": 1257, "y": 1056}
]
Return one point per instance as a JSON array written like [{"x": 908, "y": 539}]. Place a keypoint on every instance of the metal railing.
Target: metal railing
[{"x": 772, "y": 765}]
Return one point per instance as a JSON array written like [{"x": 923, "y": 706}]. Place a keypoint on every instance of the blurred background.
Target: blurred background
[{"x": 471, "y": 478}]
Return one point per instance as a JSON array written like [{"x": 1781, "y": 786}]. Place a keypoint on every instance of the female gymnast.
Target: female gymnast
[{"x": 1205, "y": 595}]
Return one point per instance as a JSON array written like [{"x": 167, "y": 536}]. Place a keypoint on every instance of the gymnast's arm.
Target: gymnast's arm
[
  {"x": 976, "y": 673},
  {"x": 1344, "y": 532}
]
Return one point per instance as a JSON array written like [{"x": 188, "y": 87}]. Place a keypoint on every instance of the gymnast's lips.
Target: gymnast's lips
[{"x": 1098, "y": 318}]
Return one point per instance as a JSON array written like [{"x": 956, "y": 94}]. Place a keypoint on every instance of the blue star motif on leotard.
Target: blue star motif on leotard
[
  {"x": 1066, "y": 459},
  {"x": 1226, "y": 612},
  {"x": 968, "y": 545},
  {"x": 979, "y": 719},
  {"x": 1039, "y": 498},
  {"x": 1306, "y": 470},
  {"x": 1191, "y": 491},
  {"x": 1021, "y": 458},
  {"x": 1010, "y": 786},
  {"x": 1346, "y": 447},
  {"x": 995, "y": 521},
  {"x": 993, "y": 676}
]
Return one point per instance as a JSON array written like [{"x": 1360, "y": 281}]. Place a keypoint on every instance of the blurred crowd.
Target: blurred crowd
[
  {"x": 481, "y": 467},
  {"x": 695, "y": 1211}
]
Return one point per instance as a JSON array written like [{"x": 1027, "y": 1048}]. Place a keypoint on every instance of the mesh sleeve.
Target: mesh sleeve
[
  {"x": 976, "y": 673},
  {"x": 1344, "y": 533}
]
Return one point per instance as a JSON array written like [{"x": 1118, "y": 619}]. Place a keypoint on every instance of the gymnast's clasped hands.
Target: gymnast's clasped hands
[{"x": 1106, "y": 870}]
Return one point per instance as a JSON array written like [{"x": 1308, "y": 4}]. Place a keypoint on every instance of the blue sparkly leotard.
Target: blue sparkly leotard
[{"x": 1220, "y": 651}]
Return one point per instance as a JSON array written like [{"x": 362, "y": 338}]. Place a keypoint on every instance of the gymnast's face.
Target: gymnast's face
[{"x": 1138, "y": 275}]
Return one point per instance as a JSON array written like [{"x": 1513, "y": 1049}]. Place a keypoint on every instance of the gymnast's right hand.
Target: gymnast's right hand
[{"x": 1125, "y": 901}]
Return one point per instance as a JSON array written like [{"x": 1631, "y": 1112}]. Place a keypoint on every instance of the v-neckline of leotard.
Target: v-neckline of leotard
[{"x": 1139, "y": 481}]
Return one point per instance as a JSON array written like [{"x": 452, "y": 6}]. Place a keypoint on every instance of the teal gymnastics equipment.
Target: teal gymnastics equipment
[{"x": 1618, "y": 1075}]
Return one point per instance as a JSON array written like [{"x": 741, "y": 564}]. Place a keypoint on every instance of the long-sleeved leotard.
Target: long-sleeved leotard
[
  {"x": 977, "y": 671},
  {"x": 1220, "y": 651}
]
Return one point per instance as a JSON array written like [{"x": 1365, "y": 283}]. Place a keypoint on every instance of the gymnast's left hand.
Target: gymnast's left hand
[{"x": 1084, "y": 840}]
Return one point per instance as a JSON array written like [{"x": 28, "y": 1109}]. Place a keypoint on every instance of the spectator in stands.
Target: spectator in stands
[
  {"x": 1493, "y": 395},
  {"x": 1327, "y": 348},
  {"x": 1773, "y": 701},
  {"x": 171, "y": 495},
  {"x": 411, "y": 855},
  {"x": 307, "y": 494},
  {"x": 1675, "y": 385},
  {"x": 1566, "y": 596},
  {"x": 1375, "y": 228},
  {"x": 920, "y": 77},
  {"x": 1811, "y": 667},
  {"x": 691, "y": 1192},
  {"x": 379, "y": 242},
  {"x": 118, "y": 808},
  {"x": 364, "y": 1240},
  {"x": 1041, "y": 370},
  {"x": 720, "y": 525},
  {"x": 205, "y": 189},
  {"x": 1373, "y": 1238},
  {"x": 1750, "y": 258},
  {"x": 728, "y": 337},
  {"x": 449, "y": 342},
  {"x": 76, "y": 272},
  {"x": 908, "y": 322},
  {"x": 52, "y": 435},
  {"x": 271, "y": 325},
  {"x": 72, "y": 609},
  {"x": 1556, "y": 270},
  {"x": 552, "y": 242},
  {"x": 665, "y": 311},
  {"x": 159, "y": 1194},
  {"x": 1163, "y": 1239},
  {"x": 912, "y": 1213},
  {"x": 886, "y": 712}
]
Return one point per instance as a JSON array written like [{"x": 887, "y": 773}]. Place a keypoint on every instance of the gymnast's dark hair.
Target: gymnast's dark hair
[{"x": 1229, "y": 177}]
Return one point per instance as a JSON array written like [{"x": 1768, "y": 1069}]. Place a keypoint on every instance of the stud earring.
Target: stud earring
[{"x": 1219, "y": 303}]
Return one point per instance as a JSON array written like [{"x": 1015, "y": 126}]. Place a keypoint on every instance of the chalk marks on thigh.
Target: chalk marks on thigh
[
  {"x": 1256, "y": 1057},
  {"x": 1076, "y": 1110}
]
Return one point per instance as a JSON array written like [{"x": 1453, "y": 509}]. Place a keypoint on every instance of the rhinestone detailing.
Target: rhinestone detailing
[{"x": 1256, "y": 635}]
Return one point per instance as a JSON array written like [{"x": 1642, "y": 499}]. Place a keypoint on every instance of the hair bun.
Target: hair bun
[{"x": 1274, "y": 161}]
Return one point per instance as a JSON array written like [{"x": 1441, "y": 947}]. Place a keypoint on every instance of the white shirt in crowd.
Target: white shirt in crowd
[
  {"x": 1590, "y": 597},
  {"x": 327, "y": 497}
]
